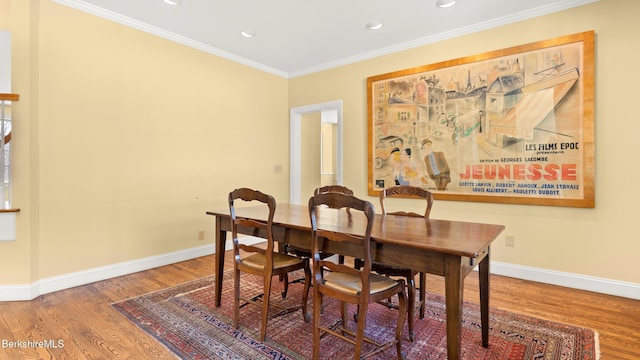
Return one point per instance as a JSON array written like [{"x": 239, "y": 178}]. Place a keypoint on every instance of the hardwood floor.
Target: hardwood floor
[{"x": 83, "y": 319}]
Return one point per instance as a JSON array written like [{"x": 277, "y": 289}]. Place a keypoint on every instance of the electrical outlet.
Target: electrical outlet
[
  {"x": 201, "y": 235},
  {"x": 510, "y": 240}
]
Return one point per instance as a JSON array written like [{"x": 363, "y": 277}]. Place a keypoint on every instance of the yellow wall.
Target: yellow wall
[
  {"x": 130, "y": 139},
  {"x": 123, "y": 140},
  {"x": 600, "y": 242}
]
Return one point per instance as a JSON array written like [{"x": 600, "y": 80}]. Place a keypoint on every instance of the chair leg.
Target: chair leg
[
  {"x": 400, "y": 326},
  {"x": 362, "y": 319},
  {"x": 317, "y": 306},
  {"x": 305, "y": 295},
  {"x": 236, "y": 298},
  {"x": 357, "y": 264},
  {"x": 411, "y": 294},
  {"x": 423, "y": 298},
  {"x": 265, "y": 305},
  {"x": 282, "y": 248},
  {"x": 345, "y": 315},
  {"x": 285, "y": 290}
]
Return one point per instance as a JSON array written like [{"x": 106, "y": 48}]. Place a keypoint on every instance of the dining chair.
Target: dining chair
[
  {"x": 341, "y": 189},
  {"x": 346, "y": 283},
  {"x": 260, "y": 261},
  {"x": 406, "y": 191},
  {"x": 334, "y": 189},
  {"x": 293, "y": 250},
  {"x": 322, "y": 190}
]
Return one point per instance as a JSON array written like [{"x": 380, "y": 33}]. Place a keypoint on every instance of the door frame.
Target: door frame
[{"x": 295, "y": 145}]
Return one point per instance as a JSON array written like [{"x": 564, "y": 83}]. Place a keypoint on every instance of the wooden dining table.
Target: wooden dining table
[{"x": 447, "y": 248}]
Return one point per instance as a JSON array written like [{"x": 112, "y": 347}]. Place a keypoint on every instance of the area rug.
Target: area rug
[{"x": 184, "y": 319}]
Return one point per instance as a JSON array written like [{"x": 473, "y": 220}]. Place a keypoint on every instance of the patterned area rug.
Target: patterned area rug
[{"x": 185, "y": 319}]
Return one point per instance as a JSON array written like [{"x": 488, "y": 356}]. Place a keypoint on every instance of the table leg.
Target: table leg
[
  {"x": 454, "y": 294},
  {"x": 483, "y": 273},
  {"x": 221, "y": 238}
]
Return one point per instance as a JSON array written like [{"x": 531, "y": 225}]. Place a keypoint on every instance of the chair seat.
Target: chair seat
[
  {"x": 280, "y": 260},
  {"x": 351, "y": 283}
]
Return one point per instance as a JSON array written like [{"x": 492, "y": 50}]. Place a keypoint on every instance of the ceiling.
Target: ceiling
[{"x": 297, "y": 37}]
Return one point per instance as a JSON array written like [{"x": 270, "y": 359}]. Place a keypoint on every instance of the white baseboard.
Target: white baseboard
[
  {"x": 589, "y": 283},
  {"x": 574, "y": 281},
  {"x": 48, "y": 285}
]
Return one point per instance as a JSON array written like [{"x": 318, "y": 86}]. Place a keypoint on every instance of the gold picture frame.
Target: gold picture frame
[{"x": 513, "y": 126}]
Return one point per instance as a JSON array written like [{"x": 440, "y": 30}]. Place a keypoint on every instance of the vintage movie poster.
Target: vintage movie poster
[{"x": 513, "y": 126}]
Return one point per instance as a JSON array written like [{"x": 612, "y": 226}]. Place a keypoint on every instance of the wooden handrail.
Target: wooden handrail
[{"x": 10, "y": 97}]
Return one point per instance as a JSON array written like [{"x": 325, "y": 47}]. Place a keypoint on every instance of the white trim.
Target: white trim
[
  {"x": 23, "y": 292},
  {"x": 61, "y": 282},
  {"x": 295, "y": 144},
  {"x": 452, "y": 34},
  {"x": 295, "y": 130},
  {"x": 470, "y": 29},
  {"x": 575, "y": 281},
  {"x": 154, "y": 30}
]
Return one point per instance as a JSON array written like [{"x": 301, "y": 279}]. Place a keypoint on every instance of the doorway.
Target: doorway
[{"x": 299, "y": 115}]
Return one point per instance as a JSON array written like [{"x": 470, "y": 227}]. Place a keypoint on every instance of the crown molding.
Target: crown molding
[
  {"x": 168, "y": 35},
  {"x": 447, "y": 35},
  {"x": 110, "y": 15}
]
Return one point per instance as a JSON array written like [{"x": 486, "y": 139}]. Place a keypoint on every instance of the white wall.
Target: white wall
[{"x": 5, "y": 61}]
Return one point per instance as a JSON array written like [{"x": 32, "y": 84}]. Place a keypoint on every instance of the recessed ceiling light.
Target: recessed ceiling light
[
  {"x": 374, "y": 25},
  {"x": 445, "y": 3},
  {"x": 248, "y": 34},
  {"x": 173, "y": 2}
]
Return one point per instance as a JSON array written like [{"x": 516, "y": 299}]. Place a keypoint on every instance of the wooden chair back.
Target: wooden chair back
[
  {"x": 341, "y": 189},
  {"x": 406, "y": 191},
  {"x": 250, "y": 195},
  {"x": 333, "y": 188},
  {"x": 336, "y": 200}
]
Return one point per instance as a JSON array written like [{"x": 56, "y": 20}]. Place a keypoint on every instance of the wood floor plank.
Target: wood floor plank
[{"x": 91, "y": 329}]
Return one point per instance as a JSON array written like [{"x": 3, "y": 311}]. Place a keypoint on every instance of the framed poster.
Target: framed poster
[{"x": 509, "y": 126}]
